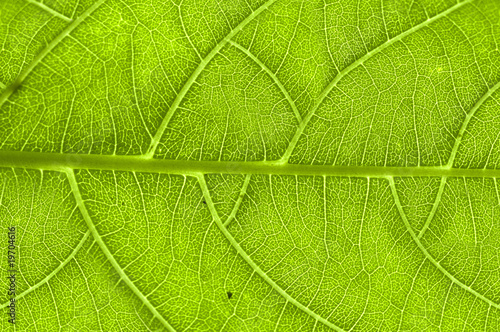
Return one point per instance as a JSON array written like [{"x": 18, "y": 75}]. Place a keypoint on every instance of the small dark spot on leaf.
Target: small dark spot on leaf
[
  {"x": 15, "y": 86},
  {"x": 204, "y": 202},
  {"x": 229, "y": 295}
]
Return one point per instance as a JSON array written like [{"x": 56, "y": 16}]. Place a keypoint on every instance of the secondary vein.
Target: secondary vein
[
  {"x": 354, "y": 65},
  {"x": 238, "y": 201},
  {"x": 203, "y": 63},
  {"x": 273, "y": 76},
  {"x": 38, "y": 59},
  {"x": 426, "y": 253},
  {"x": 255, "y": 267},
  {"x": 467, "y": 119},
  {"x": 50, "y": 10},
  {"x": 437, "y": 200},
  {"x": 97, "y": 237},
  {"x": 53, "y": 273}
]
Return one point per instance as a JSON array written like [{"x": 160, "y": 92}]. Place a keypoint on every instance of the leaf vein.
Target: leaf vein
[
  {"x": 63, "y": 162},
  {"x": 53, "y": 273},
  {"x": 253, "y": 265},
  {"x": 50, "y": 10},
  {"x": 437, "y": 200},
  {"x": 201, "y": 66},
  {"x": 236, "y": 207},
  {"x": 38, "y": 59},
  {"x": 466, "y": 121},
  {"x": 97, "y": 237},
  {"x": 273, "y": 77},
  {"x": 351, "y": 67},
  {"x": 428, "y": 255}
]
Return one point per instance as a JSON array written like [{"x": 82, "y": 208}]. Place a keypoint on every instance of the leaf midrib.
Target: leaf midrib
[{"x": 62, "y": 162}]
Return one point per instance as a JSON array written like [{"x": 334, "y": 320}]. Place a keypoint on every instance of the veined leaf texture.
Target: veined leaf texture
[{"x": 244, "y": 165}]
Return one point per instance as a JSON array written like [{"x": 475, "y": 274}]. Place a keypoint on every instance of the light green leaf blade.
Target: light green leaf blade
[{"x": 251, "y": 165}]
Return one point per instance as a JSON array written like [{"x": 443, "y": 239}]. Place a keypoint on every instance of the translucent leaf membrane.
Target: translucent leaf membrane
[
  {"x": 84, "y": 293},
  {"x": 63, "y": 280},
  {"x": 480, "y": 142},
  {"x": 225, "y": 191},
  {"x": 464, "y": 233},
  {"x": 234, "y": 112},
  {"x": 48, "y": 224},
  {"x": 18, "y": 49},
  {"x": 251, "y": 165},
  {"x": 419, "y": 196},
  {"x": 165, "y": 241},
  {"x": 351, "y": 223},
  {"x": 404, "y": 101}
]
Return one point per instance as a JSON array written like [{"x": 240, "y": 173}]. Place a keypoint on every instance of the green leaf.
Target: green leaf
[{"x": 251, "y": 165}]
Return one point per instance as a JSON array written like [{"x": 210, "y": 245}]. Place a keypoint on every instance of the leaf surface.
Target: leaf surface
[{"x": 251, "y": 165}]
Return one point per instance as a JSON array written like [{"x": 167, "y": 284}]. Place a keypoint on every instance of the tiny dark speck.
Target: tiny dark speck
[
  {"x": 229, "y": 295},
  {"x": 204, "y": 202}
]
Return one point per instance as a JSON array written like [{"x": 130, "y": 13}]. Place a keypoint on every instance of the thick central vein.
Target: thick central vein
[{"x": 61, "y": 162}]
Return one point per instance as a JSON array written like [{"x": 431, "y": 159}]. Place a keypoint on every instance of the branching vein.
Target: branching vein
[
  {"x": 50, "y": 10},
  {"x": 203, "y": 63},
  {"x": 255, "y": 267},
  {"x": 428, "y": 255},
  {"x": 38, "y": 59},
  {"x": 354, "y": 65},
  {"x": 97, "y": 237}
]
